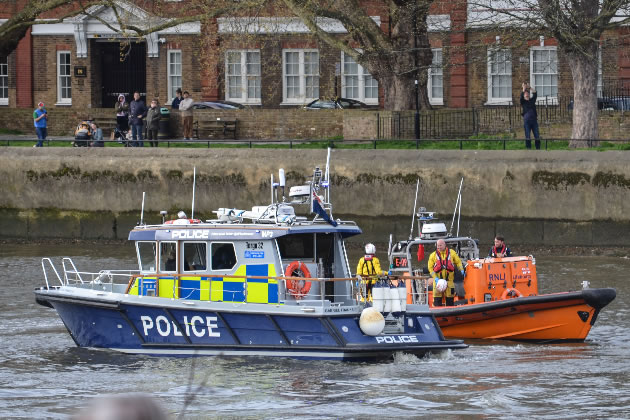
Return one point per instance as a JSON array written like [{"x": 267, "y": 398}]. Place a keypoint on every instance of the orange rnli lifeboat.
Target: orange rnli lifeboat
[{"x": 500, "y": 300}]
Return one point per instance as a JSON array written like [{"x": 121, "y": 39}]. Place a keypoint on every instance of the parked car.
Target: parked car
[
  {"x": 621, "y": 103},
  {"x": 217, "y": 105},
  {"x": 336, "y": 103}
]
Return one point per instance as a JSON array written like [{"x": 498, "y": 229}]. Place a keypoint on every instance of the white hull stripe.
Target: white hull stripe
[{"x": 207, "y": 352}]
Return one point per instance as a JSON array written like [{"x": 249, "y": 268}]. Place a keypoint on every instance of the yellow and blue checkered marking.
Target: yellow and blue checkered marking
[
  {"x": 217, "y": 289},
  {"x": 232, "y": 289}
]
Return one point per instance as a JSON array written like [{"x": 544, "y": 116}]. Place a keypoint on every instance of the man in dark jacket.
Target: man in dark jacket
[
  {"x": 530, "y": 117},
  {"x": 137, "y": 113},
  {"x": 153, "y": 123},
  {"x": 177, "y": 99}
]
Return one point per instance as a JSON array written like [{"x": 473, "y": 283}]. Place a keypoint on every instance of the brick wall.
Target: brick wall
[{"x": 286, "y": 124}]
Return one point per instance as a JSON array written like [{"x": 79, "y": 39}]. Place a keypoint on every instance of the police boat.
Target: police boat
[
  {"x": 259, "y": 282},
  {"x": 497, "y": 298}
]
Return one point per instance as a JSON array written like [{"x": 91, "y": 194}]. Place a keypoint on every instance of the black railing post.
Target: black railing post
[
  {"x": 504, "y": 141},
  {"x": 378, "y": 125}
]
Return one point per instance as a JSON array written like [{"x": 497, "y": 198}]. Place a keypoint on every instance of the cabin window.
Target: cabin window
[
  {"x": 168, "y": 257},
  {"x": 298, "y": 247},
  {"x": 195, "y": 256},
  {"x": 223, "y": 256},
  {"x": 146, "y": 255}
]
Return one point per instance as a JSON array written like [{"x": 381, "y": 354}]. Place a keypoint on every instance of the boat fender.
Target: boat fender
[
  {"x": 371, "y": 321},
  {"x": 378, "y": 296},
  {"x": 393, "y": 294},
  {"x": 441, "y": 285},
  {"x": 296, "y": 287},
  {"x": 510, "y": 292},
  {"x": 387, "y": 298}
]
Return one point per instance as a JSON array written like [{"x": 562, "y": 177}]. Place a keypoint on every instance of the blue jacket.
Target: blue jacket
[
  {"x": 43, "y": 122},
  {"x": 529, "y": 107},
  {"x": 137, "y": 108}
]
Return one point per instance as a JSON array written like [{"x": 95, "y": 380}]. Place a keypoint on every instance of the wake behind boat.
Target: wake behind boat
[
  {"x": 497, "y": 298},
  {"x": 240, "y": 285}
]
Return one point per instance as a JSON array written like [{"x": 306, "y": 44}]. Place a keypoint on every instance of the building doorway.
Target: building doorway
[{"x": 123, "y": 69}]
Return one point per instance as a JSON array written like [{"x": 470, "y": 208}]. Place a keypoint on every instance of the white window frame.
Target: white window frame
[
  {"x": 301, "y": 99},
  {"x": 506, "y": 100},
  {"x": 172, "y": 87},
  {"x": 4, "y": 76},
  {"x": 362, "y": 75},
  {"x": 61, "y": 100},
  {"x": 430, "y": 74},
  {"x": 532, "y": 79},
  {"x": 245, "y": 77}
]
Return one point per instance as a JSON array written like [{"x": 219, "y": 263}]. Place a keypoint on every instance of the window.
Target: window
[
  {"x": 544, "y": 71},
  {"x": 64, "y": 79},
  {"x": 242, "y": 72},
  {"x": 195, "y": 256},
  {"x": 4, "y": 81},
  {"x": 356, "y": 82},
  {"x": 168, "y": 257},
  {"x": 499, "y": 76},
  {"x": 301, "y": 76},
  {"x": 300, "y": 246},
  {"x": 435, "y": 86},
  {"x": 174, "y": 72},
  {"x": 146, "y": 256},
  {"x": 223, "y": 256}
]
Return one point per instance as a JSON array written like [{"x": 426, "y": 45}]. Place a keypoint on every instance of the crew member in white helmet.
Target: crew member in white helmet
[
  {"x": 442, "y": 265},
  {"x": 369, "y": 268}
]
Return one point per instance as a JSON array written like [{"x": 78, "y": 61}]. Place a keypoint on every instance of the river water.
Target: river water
[{"x": 43, "y": 374}]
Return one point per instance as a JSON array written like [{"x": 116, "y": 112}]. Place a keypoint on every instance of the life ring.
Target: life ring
[
  {"x": 297, "y": 288},
  {"x": 511, "y": 293},
  {"x": 187, "y": 222}
]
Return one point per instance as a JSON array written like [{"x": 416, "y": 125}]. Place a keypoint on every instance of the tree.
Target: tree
[
  {"x": 396, "y": 59},
  {"x": 577, "y": 25}
]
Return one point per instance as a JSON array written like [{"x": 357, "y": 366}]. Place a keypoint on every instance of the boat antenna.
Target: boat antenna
[
  {"x": 459, "y": 213},
  {"x": 142, "y": 211},
  {"x": 273, "y": 189},
  {"x": 282, "y": 181},
  {"x": 192, "y": 212},
  {"x": 413, "y": 213},
  {"x": 327, "y": 177},
  {"x": 459, "y": 196}
]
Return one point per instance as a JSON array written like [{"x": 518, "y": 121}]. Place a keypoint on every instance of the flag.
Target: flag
[{"x": 317, "y": 208}]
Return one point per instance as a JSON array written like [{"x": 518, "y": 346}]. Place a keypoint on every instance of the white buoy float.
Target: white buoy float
[
  {"x": 371, "y": 321},
  {"x": 378, "y": 296},
  {"x": 393, "y": 294}
]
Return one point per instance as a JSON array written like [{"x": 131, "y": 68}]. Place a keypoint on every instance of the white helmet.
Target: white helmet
[
  {"x": 370, "y": 249},
  {"x": 441, "y": 285}
]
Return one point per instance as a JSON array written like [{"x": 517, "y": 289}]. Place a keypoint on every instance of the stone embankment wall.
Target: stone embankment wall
[{"x": 549, "y": 198}]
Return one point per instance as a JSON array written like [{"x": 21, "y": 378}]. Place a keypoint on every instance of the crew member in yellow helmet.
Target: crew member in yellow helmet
[
  {"x": 369, "y": 268},
  {"x": 442, "y": 265}
]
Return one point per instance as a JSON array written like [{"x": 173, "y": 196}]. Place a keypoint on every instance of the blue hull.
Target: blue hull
[{"x": 182, "y": 331}]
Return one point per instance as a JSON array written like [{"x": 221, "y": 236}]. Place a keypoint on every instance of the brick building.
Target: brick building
[{"x": 271, "y": 61}]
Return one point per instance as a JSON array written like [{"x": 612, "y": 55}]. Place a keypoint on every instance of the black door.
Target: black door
[{"x": 123, "y": 70}]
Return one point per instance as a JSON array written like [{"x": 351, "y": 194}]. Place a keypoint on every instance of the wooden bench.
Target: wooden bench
[{"x": 220, "y": 125}]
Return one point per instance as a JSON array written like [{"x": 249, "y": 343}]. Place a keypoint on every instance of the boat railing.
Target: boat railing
[
  {"x": 74, "y": 271},
  {"x": 47, "y": 261}
]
